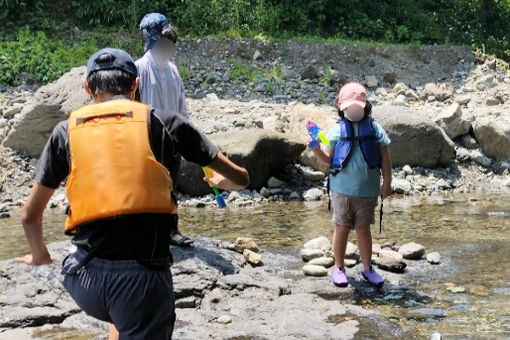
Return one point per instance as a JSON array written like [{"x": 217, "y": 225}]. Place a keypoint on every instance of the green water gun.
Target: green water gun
[{"x": 217, "y": 195}]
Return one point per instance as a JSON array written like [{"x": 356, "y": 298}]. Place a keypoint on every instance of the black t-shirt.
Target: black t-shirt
[{"x": 142, "y": 236}]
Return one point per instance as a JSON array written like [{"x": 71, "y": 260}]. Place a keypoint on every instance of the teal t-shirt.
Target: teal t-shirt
[{"x": 357, "y": 179}]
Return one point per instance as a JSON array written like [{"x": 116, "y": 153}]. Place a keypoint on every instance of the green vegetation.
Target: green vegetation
[{"x": 59, "y": 34}]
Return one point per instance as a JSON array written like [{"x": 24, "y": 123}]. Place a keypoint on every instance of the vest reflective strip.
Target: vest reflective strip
[{"x": 113, "y": 169}]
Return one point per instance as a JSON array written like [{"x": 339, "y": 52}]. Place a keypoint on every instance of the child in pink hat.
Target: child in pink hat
[{"x": 357, "y": 155}]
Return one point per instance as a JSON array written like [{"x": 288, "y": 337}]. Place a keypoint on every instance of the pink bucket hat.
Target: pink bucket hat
[{"x": 352, "y": 93}]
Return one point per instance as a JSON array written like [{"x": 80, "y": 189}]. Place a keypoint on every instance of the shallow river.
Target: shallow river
[{"x": 472, "y": 235}]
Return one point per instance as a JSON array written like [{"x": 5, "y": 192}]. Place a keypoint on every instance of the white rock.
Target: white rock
[
  {"x": 321, "y": 243},
  {"x": 349, "y": 263},
  {"x": 451, "y": 121},
  {"x": 407, "y": 169},
  {"x": 434, "y": 258},
  {"x": 435, "y": 336},
  {"x": 252, "y": 257},
  {"x": 257, "y": 55},
  {"x": 224, "y": 319},
  {"x": 351, "y": 251},
  {"x": 400, "y": 88},
  {"x": 371, "y": 81},
  {"x": 242, "y": 243},
  {"x": 322, "y": 261},
  {"x": 480, "y": 158},
  {"x": 234, "y": 195},
  {"x": 313, "y": 270},
  {"x": 265, "y": 192},
  {"x": 412, "y": 251},
  {"x": 294, "y": 196},
  {"x": 387, "y": 253},
  {"x": 401, "y": 186},
  {"x": 313, "y": 194},
  {"x": 309, "y": 254}
]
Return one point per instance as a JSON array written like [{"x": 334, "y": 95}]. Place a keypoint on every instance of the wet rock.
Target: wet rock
[
  {"x": 322, "y": 261},
  {"x": 252, "y": 257},
  {"x": 425, "y": 313},
  {"x": 321, "y": 243},
  {"x": 313, "y": 194},
  {"x": 349, "y": 263},
  {"x": 351, "y": 251},
  {"x": 309, "y": 254},
  {"x": 312, "y": 175},
  {"x": 456, "y": 289},
  {"x": 390, "y": 264},
  {"x": 265, "y": 192},
  {"x": 242, "y": 243},
  {"x": 294, "y": 196},
  {"x": 407, "y": 169},
  {"x": 313, "y": 270},
  {"x": 412, "y": 251},
  {"x": 187, "y": 302},
  {"x": 434, "y": 258}
]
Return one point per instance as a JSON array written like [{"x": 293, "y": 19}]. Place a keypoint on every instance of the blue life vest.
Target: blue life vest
[{"x": 366, "y": 138}]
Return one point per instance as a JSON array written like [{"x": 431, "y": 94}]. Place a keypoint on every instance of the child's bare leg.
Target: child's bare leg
[
  {"x": 340, "y": 237},
  {"x": 364, "y": 245},
  {"x": 113, "y": 334}
]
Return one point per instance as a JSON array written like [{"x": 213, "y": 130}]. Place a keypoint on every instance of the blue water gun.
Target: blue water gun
[
  {"x": 315, "y": 132},
  {"x": 217, "y": 195}
]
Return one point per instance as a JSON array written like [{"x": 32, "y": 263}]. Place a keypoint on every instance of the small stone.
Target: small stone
[
  {"x": 390, "y": 264},
  {"x": 349, "y": 263},
  {"x": 265, "y": 192},
  {"x": 434, "y": 258},
  {"x": 464, "y": 100},
  {"x": 462, "y": 154},
  {"x": 257, "y": 55},
  {"x": 252, "y": 257},
  {"x": 456, "y": 289},
  {"x": 391, "y": 254},
  {"x": 435, "y": 336},
  {"x": 294, "y": 196},
  {"x": 309, "y": 73},
  {"x": 400, "y": 88},
  {"x": 313, "y": 270},
  {"x": 351, "y": 251},
  {"x": 407, "y": 169},
  {"x": 274, "y": 182},
  {"x": 224, "y": 319},
  {"x": 401, "y": 186},
  {"x": 186, "y": 302},
  {"x": 321, "y": 243},
  {"x": 371, "y": 81},
  {"x": 195, "y": 202},
  {"x": 310, "y": 254},
  {"x": 322, "y": 261},
  {"x": 491, "y": 101},
  {"x": 480, "y": 158},
  {"x": 401, "y": 100},
  {"x": 11, "y": 112},
  {"x": 234, "y": 195},
  {"x": 243, "y": 243},
  {"x": 312, "y": 175},
  {"x": 313, "y": 194},
  {"x": 412, "y": 251}
]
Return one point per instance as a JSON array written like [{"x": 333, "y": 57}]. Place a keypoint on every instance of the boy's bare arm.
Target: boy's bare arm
[
  {"x": 227, "y": 175},
  {"x": 31, "y": 219},
  {"x": 386, "y": 171},
  {"x": 323, "y": 156}
]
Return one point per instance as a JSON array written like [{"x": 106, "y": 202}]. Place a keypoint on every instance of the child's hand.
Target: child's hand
[
  {"x": 316, "y": 144},
  {"x": 385, "y": 190},
  {"x": 220, "y": 181}
]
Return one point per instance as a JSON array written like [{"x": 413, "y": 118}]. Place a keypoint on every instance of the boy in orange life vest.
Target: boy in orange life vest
[
  {"x": 357, "y": 155},
  {"x": 114, "y": 154}
]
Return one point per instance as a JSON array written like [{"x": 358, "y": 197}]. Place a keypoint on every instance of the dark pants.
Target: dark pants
[{"x": 137, "y": 300}]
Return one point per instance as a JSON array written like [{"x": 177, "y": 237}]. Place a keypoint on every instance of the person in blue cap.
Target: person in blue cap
[
  {"x": 115, "y": 156},
  {"x": 160, "y": 83}
]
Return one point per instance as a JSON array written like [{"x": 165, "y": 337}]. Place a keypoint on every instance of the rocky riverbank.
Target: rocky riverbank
[
  {"x": 446, "y": 109},
  {"x": 218, "y": 296}
]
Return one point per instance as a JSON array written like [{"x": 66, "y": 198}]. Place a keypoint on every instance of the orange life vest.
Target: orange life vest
[{"x": 113, "y": 169}]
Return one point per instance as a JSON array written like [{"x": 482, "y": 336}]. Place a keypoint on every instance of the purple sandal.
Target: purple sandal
[
  {"x": 373, "y": 277},
  {"x": 338, "y": 277}
]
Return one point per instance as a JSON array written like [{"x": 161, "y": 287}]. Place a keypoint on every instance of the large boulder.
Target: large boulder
[
  {"x": 262, "y": 152},
  {"x": 324, "y": 117},
  {"x": 51, "y": 104},
  {"x": 493, "y": 135},
  {"x": 451, "y": 121},
  {"x": 415, "y": 139}
]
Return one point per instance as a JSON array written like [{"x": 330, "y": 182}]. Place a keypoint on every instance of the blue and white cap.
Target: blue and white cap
[{"x": 152, "y": 25}]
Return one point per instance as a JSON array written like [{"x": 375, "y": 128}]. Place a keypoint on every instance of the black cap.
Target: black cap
[{"x": 114, "y": 59}]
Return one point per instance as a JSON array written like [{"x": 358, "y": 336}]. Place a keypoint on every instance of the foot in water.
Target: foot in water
[{"x": 177, "y": 239}]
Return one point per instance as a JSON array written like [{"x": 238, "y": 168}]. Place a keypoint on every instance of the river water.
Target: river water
[{"x": 472, "y": 235}]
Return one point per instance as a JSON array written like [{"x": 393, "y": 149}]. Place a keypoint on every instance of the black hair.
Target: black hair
[
  {"x": 113, "y": 81},
  {"x": 368, "y": 110},
  {"x": 170, "y": 34}
]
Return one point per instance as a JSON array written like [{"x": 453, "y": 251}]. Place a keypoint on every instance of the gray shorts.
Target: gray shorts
[
  {"x": 353, "y": 211},
  {"x": 137, "y": 300}
]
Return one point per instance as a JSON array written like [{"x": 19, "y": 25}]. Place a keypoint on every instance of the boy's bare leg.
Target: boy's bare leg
[
  {"x": 365, "y": 245},
  {"x": 113, "y": 334},
  {"x": 340, "y": 237}
]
